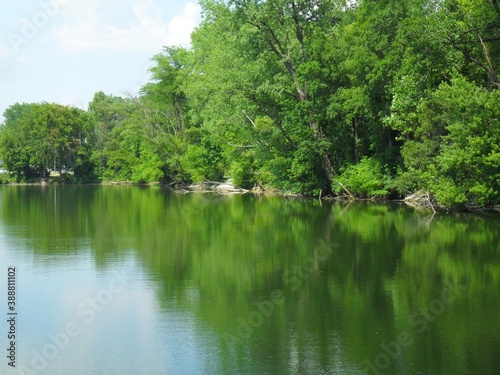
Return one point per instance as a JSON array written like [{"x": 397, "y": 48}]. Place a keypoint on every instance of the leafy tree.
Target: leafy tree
[
  {"x": 107, "y": 115},
  {"x": 39, "y": 137},
  {"x": 252, "y": 60},
  {"x": 163, "y": 118},
  {"x": 15, "y": 155},
  {"x": 456, "y": 154},
  {"x": 285, "y": 30},
  {"x": 367, "y": 55}
]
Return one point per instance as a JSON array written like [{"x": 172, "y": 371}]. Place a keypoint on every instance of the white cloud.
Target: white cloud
[
  {"x": 181, "y": 27},
  {"x": 140, "y": 29}
]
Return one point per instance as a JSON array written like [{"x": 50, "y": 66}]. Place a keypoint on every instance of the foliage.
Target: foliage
[
  {"x": 455, "y": 153},
  {"x": 39, "y": 137},
  {"x": 368, "y": 178},
  {"x": 5, "y": 178}
]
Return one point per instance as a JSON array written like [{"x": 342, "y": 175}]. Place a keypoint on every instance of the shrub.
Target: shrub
[
  {"x": 368, "y": 178},
  {"x": 4, "y": 178}
]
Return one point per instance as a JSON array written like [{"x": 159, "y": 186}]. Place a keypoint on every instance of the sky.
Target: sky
[{"x": 64, "y": 51}]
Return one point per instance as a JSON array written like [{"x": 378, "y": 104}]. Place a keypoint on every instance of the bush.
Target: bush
[
  {"x": 202, "y": 163},
  {"x": 241, "y": 171},
  {"x": 366, "y": 179},
  {"x": 4, "y": 178}
]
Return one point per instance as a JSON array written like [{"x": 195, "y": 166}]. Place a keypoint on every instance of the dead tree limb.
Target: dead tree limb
[{"x": 349, "y": 194}]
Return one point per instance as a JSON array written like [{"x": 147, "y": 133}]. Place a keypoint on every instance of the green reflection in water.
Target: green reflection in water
[{"x": 289, "y": 286}]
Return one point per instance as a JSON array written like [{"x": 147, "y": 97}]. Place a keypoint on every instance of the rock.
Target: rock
[
  {"x": 217, "y": 187},
  {"x": 229, "y": 188},
  {"x": 420, "y": 199},
  {"x": 419, "y": 196}
]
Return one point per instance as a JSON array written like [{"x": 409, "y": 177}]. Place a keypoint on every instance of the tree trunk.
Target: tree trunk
[
  {"x": 283, "y": 51},
  {"x": 326, "y": 163}
]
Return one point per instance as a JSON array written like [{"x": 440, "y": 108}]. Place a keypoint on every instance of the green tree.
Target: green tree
[
  {"x": 366, "y": 54},
  {"x": 455, "y": 153},
  {"x": 107, "y": 115},
  {"x": 39, "y": 137},
  {"x": 262, "y": 60},
  {"x": 163, "y": 112}
]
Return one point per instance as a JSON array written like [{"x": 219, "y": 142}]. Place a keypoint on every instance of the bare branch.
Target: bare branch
[
  {"x": 298, "y": 27},
  {"x": 490, "y": 69},
  {"x": 250, "y": 119},
  {"x": 349, "y": 194}
]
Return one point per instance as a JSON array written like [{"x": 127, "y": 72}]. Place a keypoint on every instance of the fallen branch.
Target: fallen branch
[
  {"x": 350, "y": 195},
  {"x": 429, "y": 203},
  {"x": 490, "y": 70}
]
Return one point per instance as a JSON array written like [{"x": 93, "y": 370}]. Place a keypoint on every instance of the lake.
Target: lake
[{"x": 143, "y": 280}]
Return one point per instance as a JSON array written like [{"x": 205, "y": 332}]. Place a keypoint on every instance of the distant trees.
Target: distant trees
[
  {"x": 382, "y": 97},
  {"x": 39, "y": 137}
]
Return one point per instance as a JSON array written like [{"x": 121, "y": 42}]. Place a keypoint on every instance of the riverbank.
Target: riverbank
[{"x": 420, "y": 200}]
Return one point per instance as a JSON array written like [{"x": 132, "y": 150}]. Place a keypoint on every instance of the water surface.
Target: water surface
[{"x": 131, "y": 280}]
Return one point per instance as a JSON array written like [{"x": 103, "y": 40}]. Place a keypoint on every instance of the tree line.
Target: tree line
[{"x": 381, "y": 97}]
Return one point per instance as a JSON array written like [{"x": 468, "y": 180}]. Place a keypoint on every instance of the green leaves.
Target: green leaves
[
  {"x": 366, "y": 179},
  {"x": 39, "y": 137},
  {"x": 456, "y": 152}
]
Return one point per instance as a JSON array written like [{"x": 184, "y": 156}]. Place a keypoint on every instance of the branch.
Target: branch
[
  {"x": 429, "y": 202},
  {"x": 276, "y": 122},
  {"x": 295, "y": 96},
  {"x": 268, "y": 41},
  {"x": 274, "y": 37},
  {"x": 465, "y": 42},
  {"x": 350, "y": 195},
  {"x": 490, "y": 69},
  {"x": 250, "y": 119},
  {"x": 298, "y": 28}
]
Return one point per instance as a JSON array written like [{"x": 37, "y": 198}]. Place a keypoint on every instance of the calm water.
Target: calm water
[{"x": 129, "y": 280}]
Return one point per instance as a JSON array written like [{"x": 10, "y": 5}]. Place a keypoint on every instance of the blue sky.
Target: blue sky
[{"x": 64, "y": 51}]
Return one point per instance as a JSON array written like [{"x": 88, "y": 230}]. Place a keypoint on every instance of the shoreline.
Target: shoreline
[{"x": 226, "y": 188}]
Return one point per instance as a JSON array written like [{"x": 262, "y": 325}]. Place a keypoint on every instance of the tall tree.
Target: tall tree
[
  {"x": 286, "y": 29},
  {"x": 107, "y": 114},
  {"x": 163, "y": 112}
]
